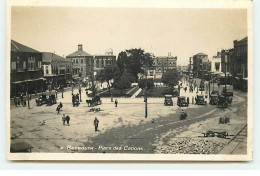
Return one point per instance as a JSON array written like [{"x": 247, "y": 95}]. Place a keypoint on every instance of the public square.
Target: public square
[{"x": 125, "y": 126}]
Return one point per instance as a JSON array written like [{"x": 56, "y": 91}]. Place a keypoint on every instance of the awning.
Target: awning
[{"x": 28, "y": 80}]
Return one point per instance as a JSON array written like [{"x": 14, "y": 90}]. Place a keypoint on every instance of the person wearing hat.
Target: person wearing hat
[{"x": 96, "y": 121}]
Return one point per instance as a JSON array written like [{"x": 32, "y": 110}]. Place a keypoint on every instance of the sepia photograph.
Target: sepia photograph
[{"x": 130, "y": 83}]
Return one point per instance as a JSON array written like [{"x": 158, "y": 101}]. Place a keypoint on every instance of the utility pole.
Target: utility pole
[
  {"x": 225, "y": 77},
  {"x": 145, "y": 94}
]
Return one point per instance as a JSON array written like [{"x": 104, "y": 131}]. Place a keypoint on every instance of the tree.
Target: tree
[
  {"x": 123, "y": 81},
  {"x": 170, "y": 78},
  {"x": 142, "y": 84},
  {"x": 107, "y": 74},
  {"x": 134, "y": 61}
]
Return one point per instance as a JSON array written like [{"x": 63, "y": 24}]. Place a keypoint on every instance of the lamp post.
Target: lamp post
[
  {"x": 145, "y": 92},
  {"x": 225, "y": 77}
]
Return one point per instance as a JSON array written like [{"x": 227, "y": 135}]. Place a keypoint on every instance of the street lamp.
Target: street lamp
[{"x": 225, "y": 77}]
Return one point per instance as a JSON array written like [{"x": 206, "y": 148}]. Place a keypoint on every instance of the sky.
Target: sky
[{"x": 182, "y": 32}]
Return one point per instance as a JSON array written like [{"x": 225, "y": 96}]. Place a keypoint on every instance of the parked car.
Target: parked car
[
  {"x": 200, "y": 100},
  {"x": 182, "y": 101},
  {"x": 168, "y": 100}
]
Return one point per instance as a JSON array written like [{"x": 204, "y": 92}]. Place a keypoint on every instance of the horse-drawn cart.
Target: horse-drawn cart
[
  {"x": 94, "y": 101},
  {"x": 222, "y": 133}
]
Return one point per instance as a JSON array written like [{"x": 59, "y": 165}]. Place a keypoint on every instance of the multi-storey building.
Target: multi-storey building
[
  {"x": 216, "y": 63},
  {"x": 82, "y": 63},
  {"x": 200, "y": 64},
  {"x": 101, "y": 61},
  {"x": 240, "y": 58},
  {"x": 227, "y": 61},
  {"x": 56, "y": 69},
  {"x": 190, "y": 66},
  {"x": 26, "y": 69},
  {"x": 161, "y": 64}
]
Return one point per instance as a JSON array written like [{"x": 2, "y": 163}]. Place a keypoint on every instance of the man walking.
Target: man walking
[
  {"x": 68, "y": 120},
  {"x": 116, "y": 102},
  {"x": 96, "y": 124},
  {"x": 63, "y": 119},
  {"x": 58, "y": 109},
  {"x": 188, "y": 100}
]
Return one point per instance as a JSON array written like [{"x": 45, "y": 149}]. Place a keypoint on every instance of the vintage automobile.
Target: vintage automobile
[
  {"x": 200, "y": 100},
  {"x": 168, "y": 100},
  {"x": 229, "y": 93},
  {"x": 213, "y": 99},
  {"x": 222, "y": 101},
  {"x": 182, "y": 101},
  {"x": 42, "y": 99},
  {"x": 52, "y": 98},
  {"x": 75, "y": 100}
]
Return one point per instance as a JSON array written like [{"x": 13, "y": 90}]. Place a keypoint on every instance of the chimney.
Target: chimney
[{"x": 80, "y": 47}]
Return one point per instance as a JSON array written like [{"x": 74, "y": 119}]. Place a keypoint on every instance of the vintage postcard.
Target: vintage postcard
[{"x": 135, "y": 81}]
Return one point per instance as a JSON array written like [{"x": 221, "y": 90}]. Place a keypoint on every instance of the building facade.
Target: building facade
[
  {"x": 240, "y": 58},
  {"x": 200, "y": 64},
  {"x": 56, "y": 69},
  {"x": 82, "y": 63},
  {"x": 160, "y": 65},
  {"x": 101, "y": 61},
  {"x": 26, "y": 70},
  {"x": 227, "y": 61},
  {"x": 216, "y": 63}
]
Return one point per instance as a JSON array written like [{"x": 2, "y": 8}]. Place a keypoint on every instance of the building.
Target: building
[
  {"x": 161, "y": 64},
  {"x": 216, "y": 63},
  {"x": 56, "y": 69},
  {"x": 240, "y": 66},
  {"x": 82, "y": 63},
  {"x": 190, "y": 66},
  {"x": 227, "y": 61},
  {"x": 240, "y": 58},
  {"x": 101, "y": 61},
  {"x": 26, "y": 70},
  {"x": 200, "y": 64}
]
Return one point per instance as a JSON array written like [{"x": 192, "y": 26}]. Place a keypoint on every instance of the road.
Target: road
[
  {"x": 145, "y": 137},
  {"x": 124, "y": 128}
]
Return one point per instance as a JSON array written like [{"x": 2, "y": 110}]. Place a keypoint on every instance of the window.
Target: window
[
  {"x": 13, "y": 66},
  {"x": 47, "y": 70},
  {"x": 77, "y": 61},
  {"x": 81, "y": 60},
  {"x": 24, "y": 65}
]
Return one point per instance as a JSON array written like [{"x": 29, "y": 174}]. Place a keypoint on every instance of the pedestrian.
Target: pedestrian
[
  {"x": 68, "y": 119},
  {"x": 21, "y": 97},
  {"x": 63, "y": 119},
  {"x": 96, "y": 121},
  {"x": 188, "y": 100},
  {"x": 61, "y": 105},
  {"x": 192, "y": 99},
  {"x": 58, "y": 109},
  {"x": 56, "y": 92},
  {"x": 116, "y": 102}
]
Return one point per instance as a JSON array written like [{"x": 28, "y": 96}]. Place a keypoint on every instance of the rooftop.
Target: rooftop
[
  {"x": 79, "y": 52},
  {"x": 15, "y": 46},
  {"x": 200, "y": 54},
  {"x": 48, "y": 57}
]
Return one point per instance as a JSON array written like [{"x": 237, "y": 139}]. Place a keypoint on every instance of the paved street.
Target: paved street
[{"x": 124, "y": 128}]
